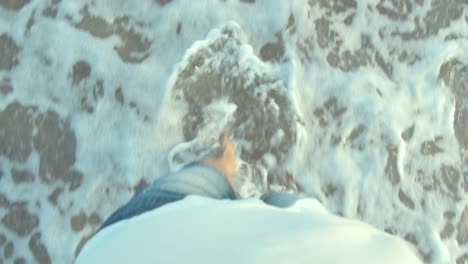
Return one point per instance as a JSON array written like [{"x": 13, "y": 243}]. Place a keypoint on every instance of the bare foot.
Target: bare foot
[{"x": 226, "y": 160}]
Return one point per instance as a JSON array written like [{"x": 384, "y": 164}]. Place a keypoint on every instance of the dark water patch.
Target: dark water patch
[
  {"x": 390, "y": 230},
  {"x": 337, "y": 6},
  {"x": 179, "y": 28},
  {"x": 81, "y": 70},
  {"x": 96, "y": 26},
  {"x": 406, "y": 200},
  {"x": 439, "y": 16},
  {"x": 305, "y": 48},
  {"x": 74, "y": 178},
  {"x": 460, "y": 123},
  {"x": 430, "y": 147},
  {"x": 141, "y": 183},
  {"x": 53, "y": 197},
  {"x": 391, "y": 166},
  {"x": 5, "y": 89},
  {"x": 163, "y": 2},
  {"x": 409, "y": 58},
  {"x": 119, "y": 96},
  {"x": 329, "y": 190},
  {"x": 30, "y": 22},
  {"x": 326, "y": 36},
  {"x": 397, "y": 10},
  {"x": 441, "y": 13},
  {"x": 451, "y": 178},
  {"x": 8, "y": 52},
  {"x": 454, "y": 74},
  {"x": 134, "y": 49},
  {"x": 447, "y": 231},
  {"x": 19, "y": 260},
  {"x": 432, "y": 183},
  {"x": 291, "y": 26},
  {"x": 356, "y": 132},
  {"x": 21, "y": 176},
  {"x": 349, "y": 19},
  {"x": 134, "y": 46},
  {"x": 333, "y": 107},
  {"x": 408, "y": 133},
  {"x": 329, "y": 40},
  {"x": 94, "y": 219},
  {"x": 273, "y": 51},
  {"x": 453, "y": 36},
  {"x": 357, "y": 139},
  {"x": 13, "y": 4},
  {"x": 465, "y": 183},
  {"x": 50, "y": 11},
  {"x": 20, "y": 221},
  {"x": 38, "y": 249},
  {"x": 55, "y": 142},
  {"x": 462, "y": 228},
  {"x": 8, "y": 250},
  {"x": 348, "y": 61},
  {"x": 449, "y": 215},
  {"x": 411, "y": 238},
  {"x": 462, "y": 259},
  {"x": 86, "y": 106},
  {"x": 78, "y": 221},
  {"x": 4, "y": 202},
  {"x": 386, "y": 67},
  {"x": 98, "y": 90},
  {"x": 330, "y": 110},
  {"x": 16, "y": 123},
  {"x": 351, "y": 60}
]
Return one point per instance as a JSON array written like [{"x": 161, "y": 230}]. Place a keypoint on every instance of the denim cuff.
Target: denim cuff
[
  {"x": 198, "y": 178},
  {"x": 194, "y": 179}
]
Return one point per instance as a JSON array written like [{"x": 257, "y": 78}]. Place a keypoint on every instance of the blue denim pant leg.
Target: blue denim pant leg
[
  {"x": 194, "y": 179},
  {"x": 281, "y": 199}
]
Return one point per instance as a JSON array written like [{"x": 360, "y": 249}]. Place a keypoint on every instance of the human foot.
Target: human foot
[{"x": 226, "y": 159}]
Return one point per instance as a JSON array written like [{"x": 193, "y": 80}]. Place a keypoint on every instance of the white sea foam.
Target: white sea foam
[{"x": 372, "y": 120}]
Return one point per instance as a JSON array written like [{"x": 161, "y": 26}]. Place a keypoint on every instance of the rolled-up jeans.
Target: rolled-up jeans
[{"x": 194, "y": 179}]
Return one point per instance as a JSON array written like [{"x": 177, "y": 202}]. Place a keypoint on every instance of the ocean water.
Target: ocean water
[{"x": 362, "y": 104}]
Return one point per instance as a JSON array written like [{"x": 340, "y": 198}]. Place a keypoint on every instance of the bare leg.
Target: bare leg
[{"x": 226, "y": 160}]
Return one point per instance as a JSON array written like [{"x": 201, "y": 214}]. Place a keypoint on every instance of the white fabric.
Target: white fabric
[{"x": 203, "y": 230}]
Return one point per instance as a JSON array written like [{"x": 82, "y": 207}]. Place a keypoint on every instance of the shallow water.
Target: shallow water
[{"x": 362, "y": 104}]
